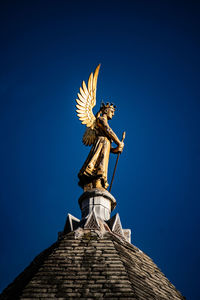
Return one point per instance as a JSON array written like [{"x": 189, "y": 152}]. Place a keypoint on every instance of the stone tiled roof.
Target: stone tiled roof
[{"x": 86, "y": 264}]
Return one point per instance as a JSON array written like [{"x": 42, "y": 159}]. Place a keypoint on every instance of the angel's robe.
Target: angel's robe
[{"x": 96, "y": 164}]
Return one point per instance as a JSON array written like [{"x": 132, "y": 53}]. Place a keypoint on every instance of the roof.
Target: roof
[{"x": 89, "y": 264}]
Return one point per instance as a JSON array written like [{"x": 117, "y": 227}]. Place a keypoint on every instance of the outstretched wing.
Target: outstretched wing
[
  {"x": 87, "y": 100},
  {"x": 85, "y": 103}
]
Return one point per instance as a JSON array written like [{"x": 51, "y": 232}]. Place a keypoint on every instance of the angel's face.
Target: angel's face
[{"x": 110, "y": 113}]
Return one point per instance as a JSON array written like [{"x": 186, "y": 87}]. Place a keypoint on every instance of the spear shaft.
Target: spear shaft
[{"x": 123, "y": 137}]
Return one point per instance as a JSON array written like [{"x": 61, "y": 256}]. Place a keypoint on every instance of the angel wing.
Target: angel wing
[
  {"x": 85, "y": 103},
  {"x": 89, "y": 136}
]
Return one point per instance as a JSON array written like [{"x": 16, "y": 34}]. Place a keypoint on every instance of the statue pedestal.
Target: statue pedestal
[
  {"x": 96, "y": 206},
  {"x": 99, "y": 200}
]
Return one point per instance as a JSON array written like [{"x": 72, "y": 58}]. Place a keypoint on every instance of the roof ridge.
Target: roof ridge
[
  {"x": 119, "y": 240},
  {"x": 143, "y": 270}
]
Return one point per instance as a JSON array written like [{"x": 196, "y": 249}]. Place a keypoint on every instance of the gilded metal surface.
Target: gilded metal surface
[
  {"x": 123, "y": 137},
  {"x": 93, "y": 174}
]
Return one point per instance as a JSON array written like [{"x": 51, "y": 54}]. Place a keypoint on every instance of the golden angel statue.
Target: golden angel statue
[{"x": 93, "y": 174}]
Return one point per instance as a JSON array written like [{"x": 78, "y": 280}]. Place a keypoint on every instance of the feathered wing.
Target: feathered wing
[
  {"x": 89, "y": 136},
  {"x": 85, "y": 103}
]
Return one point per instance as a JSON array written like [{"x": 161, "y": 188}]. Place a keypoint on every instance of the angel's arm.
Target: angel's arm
[{"x": 103, "y": 124}]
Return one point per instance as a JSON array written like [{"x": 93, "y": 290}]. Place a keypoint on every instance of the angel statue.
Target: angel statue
[{"x": 93, "y": 174}]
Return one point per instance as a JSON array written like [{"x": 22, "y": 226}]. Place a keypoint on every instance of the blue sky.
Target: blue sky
[{"x": 149, "y": 55}]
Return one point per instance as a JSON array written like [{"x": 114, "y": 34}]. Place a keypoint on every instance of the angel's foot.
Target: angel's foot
[{"x": 97, "y": 184}]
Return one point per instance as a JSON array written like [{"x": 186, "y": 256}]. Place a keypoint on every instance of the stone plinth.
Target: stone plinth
[{"x": 99, "y": 200}]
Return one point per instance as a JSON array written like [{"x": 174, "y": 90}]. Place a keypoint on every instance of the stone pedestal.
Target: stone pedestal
[{"x": 99, "y": 200}]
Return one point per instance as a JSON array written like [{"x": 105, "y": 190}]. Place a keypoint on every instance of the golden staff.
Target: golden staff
[{"x": 123, "y": 137}]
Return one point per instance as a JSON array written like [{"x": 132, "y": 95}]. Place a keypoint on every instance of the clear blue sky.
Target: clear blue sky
[{"x": 149, "y": 51}]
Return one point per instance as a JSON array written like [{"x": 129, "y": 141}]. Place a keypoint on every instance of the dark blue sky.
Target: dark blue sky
[{"x": 149, "y": 51}]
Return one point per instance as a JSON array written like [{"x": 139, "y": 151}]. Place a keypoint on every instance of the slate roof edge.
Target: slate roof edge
[
  {"x": 12, "y": 291},
  {"x": 131, "y": 247}
]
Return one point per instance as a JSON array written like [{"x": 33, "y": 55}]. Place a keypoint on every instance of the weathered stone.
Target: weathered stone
[
  {"x": 80, "y": 268},
  {"x": 99, "y": 200}
]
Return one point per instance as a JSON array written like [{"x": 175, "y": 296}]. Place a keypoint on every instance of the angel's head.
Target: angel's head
[{"x": 108, "y": 109}]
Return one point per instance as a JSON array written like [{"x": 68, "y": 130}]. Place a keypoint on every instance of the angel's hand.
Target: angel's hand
[
  {"x": 118, "y": 149},
  {"x": 121, "y": 147}
]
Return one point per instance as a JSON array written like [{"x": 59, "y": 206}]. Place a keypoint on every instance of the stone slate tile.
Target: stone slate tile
[{"x": 91, "y": 266}]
